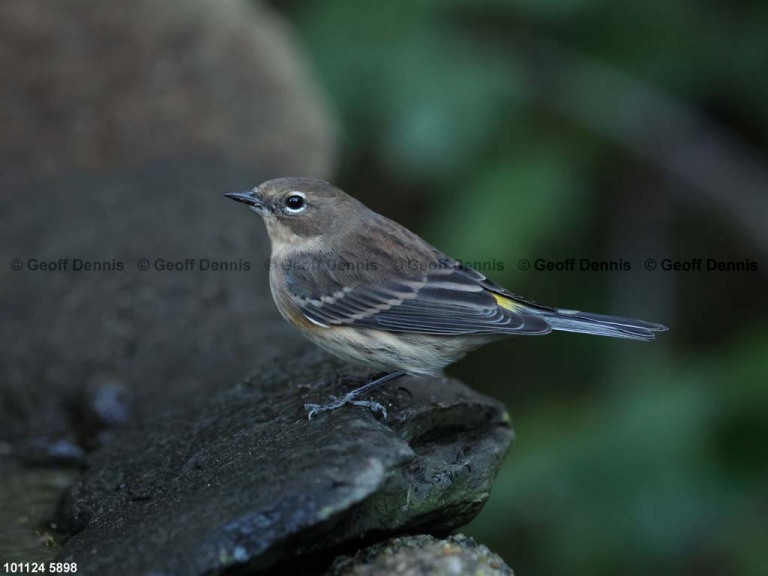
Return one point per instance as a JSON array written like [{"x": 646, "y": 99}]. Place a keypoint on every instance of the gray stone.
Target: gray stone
[
  {"x": 243, "y": 480},
  {"x": 86, "y": 351},
  {"x": 99, "y": 86}
]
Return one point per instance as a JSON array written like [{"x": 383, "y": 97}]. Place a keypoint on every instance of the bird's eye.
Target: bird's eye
[{"x": 295, "y": 203}]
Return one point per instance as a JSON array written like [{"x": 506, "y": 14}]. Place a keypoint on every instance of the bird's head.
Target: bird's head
[{"x": 296, "y": 209}]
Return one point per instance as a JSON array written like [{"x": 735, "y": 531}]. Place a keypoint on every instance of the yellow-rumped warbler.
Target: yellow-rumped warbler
[{"x": 369, "y": 290}]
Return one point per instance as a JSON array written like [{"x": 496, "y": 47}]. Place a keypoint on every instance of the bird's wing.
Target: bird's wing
[{"x": 448, "y": 300}]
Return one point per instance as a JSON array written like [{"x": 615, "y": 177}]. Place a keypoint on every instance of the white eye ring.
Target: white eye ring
[{"x": 302, "y": 206}]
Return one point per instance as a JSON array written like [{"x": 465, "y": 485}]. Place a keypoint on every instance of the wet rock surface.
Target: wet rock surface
[{"x": 242, "y": 481}]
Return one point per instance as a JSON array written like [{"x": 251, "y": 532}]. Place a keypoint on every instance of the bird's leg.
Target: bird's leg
[{"x": 351, "y": 397}]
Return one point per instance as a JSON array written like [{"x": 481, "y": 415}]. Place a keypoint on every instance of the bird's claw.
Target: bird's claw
[
  {"x": 372, "y": 406},
  {"x": 311, "y": 409}
]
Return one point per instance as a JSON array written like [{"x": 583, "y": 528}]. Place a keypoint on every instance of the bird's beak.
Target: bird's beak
[{"x": 246, "y": 198}]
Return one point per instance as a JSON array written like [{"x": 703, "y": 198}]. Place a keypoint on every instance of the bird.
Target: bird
[{"x": 370, "y": 291}]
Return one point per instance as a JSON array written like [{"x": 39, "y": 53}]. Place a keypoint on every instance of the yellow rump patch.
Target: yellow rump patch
[{"x": 505, "y": 302}]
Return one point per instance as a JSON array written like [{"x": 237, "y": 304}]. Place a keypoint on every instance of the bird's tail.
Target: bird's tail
[{"x": 601, "y": 325}]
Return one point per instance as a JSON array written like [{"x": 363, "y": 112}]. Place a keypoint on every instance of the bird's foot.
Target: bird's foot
[
  {"x": 351, "y": 397},
  {"x": 336, "y": 403}
]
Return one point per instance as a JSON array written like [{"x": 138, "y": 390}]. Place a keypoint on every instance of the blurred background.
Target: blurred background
[{"x": 503, "y": 132}]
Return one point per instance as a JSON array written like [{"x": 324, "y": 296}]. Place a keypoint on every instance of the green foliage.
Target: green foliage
[
  {"x": 518, "y": 199},
  {"x": 404, "y": 82}
]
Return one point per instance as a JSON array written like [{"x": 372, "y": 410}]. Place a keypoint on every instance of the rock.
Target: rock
[
  {"x": 101, "y": 86},
  {"x": 243, "y": 480},
  {"x": 122, "y": 125},
  {"x": 421, "y": 556},
  {"x": 87, "y": 351}
]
